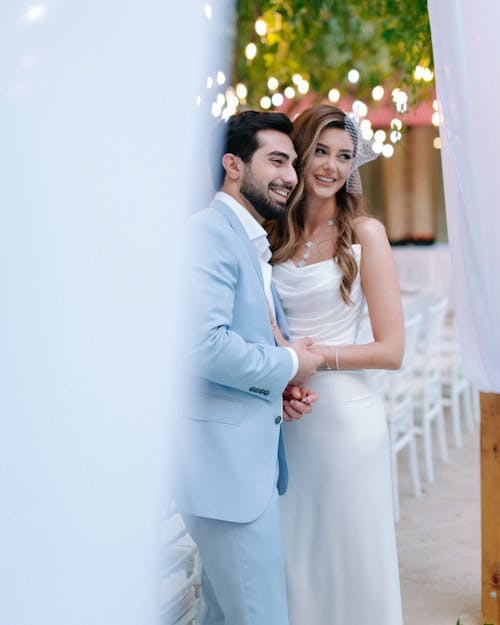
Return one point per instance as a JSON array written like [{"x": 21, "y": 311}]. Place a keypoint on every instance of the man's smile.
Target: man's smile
[{"x": 282, "y": 191}]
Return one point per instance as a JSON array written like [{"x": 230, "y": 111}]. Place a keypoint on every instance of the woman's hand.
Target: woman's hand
[
  {"x": 323, "y": 351},
  {"x": 280, "y": 339}
]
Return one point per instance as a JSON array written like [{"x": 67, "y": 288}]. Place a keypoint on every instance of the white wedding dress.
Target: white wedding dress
[{"x": 337, "y": 517}]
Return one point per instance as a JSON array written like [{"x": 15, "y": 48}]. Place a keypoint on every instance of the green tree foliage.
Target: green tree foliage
[{"x": 322, "y": 40}]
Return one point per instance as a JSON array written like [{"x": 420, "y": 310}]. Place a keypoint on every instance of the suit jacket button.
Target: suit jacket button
[{"x": 277, "y": 420}]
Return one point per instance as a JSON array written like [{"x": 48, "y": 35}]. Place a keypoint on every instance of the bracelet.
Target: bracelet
[{"x": 327, "y": 365}]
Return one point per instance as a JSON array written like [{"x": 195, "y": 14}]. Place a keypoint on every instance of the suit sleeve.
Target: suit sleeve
[{"x": 219, "y": 353}]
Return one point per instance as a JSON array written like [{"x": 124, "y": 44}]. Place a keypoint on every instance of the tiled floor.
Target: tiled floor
[{"x": 439, "y": 542}]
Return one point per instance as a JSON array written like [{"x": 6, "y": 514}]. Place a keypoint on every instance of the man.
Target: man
[{"x": 233, "y": 463}]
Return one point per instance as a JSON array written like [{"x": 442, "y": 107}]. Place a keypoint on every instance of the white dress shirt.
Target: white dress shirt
[{"x": 258, "y": 236}]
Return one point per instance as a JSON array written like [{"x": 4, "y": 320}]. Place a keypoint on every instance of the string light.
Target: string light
[
  {"x": 435, "y": 119},
  {"x": 210, "y": 82},
  {"x": 277, "y": 99},
  {"x": 401, "y": 104},
  {"x": 232, "y": 102},
  {"x": 303, "y": 87},
  {"x": 260, "y": 27},
  {"x": 227, "y": 105},
  {"x": 251, "y": 51},
  {"x": 353, "y": 76},
  {"x": 437, "y": 143},
  {"x": 367, "y": 133},
  {"x": 423, "y": 73},
  {"x": 231, "y": 96},
  {"x": 400, "y": 98},
  {"x": 359, "y": 108},
  {"x": 378, "y": 92},
  {"x": 418, "y": 74},
  {"x": 428, "y": 75},
  {"x": 435, "y": 105},
  {"x": 241, "y": 91},
  {"x": 198, "y": 100},
  {"x": 208, "y": 11},
  {"x": 366, "y": 129},
  {"x": 265, "y": 102},
  {"x": 334, "y": 95}
]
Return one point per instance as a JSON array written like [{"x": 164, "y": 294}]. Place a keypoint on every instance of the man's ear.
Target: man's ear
[{"x": 233, "y": 166}]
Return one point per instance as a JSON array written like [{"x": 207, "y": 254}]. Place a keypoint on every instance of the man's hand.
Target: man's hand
[
  {"x": 297, "y": 401},
  {"x": 309, "y": 360}
]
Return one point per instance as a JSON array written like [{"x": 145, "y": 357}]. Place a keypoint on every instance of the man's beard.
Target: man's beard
[{"x": 257, "y": 196}]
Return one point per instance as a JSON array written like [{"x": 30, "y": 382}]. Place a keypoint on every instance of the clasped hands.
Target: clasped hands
[
  {"x": 297, "y": 402},
  {"x": 297, "y": 399}
]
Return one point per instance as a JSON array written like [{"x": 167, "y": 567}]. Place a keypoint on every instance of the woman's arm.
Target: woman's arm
[{"x": 380, "y": 285}]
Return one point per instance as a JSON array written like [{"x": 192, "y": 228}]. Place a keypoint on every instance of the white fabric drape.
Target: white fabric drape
[
  {"x": 99, "y": 151},
  {"x": 465, "y": 39}
]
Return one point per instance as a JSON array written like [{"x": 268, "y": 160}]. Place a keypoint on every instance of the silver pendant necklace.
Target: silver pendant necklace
[{"x": 309, "y": 244}]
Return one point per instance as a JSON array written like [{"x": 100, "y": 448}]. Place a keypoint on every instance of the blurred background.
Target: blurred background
[{"x": 373, "y": 59}]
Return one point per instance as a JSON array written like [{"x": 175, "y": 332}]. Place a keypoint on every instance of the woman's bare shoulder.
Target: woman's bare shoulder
[{"x": 368, "y": 229}]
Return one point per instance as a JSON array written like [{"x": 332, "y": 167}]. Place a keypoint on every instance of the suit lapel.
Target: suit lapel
[
  {"x": 247, "y": 244},
  {"x": 236, "y": 224}
]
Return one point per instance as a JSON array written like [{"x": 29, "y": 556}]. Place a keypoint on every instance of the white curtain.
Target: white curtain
[
  {"x": 99, "y": 151},
  {"x": 465, "y": 39}
]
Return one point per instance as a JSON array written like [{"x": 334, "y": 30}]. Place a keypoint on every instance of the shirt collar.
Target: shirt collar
[{"x": 251, "y": 225}]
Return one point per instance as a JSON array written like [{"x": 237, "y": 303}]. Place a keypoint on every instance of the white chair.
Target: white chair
[
  {"x": 476, "y": 404},
  {"x": 428, "y": 385},
  {"x": 457, "y": 390},
  {"x": 400, "y": 406},
  {"x": 181, "y": 601}
]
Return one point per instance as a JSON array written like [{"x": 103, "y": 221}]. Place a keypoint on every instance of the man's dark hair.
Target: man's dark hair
[{"x": 240, "y": 136}]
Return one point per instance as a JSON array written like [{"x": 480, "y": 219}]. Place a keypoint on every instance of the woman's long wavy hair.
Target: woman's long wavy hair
[{"x": 285, "y": 235}]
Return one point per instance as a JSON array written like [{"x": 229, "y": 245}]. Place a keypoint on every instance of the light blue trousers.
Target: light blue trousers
[{"x": 243, "y": 569}]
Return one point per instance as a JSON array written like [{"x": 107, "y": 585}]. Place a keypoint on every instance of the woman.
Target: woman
[{"x": 329, "y": 257}]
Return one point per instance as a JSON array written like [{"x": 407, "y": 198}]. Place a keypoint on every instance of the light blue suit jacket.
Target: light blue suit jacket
[{"x": 231, "y": 438}]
